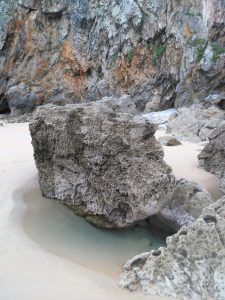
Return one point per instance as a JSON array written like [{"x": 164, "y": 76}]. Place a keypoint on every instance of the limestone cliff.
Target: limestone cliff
[{"x": 68, "y": 51}]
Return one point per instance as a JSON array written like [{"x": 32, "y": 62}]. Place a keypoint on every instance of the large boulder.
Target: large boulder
[
  {"x": 188, "y": 201},
  {"x": 192, "y": 263},
  {"x": 101, "y": 162},
  {"x": 212, "y": 158}
]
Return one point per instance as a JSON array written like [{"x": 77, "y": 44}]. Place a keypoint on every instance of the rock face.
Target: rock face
[
  {"x": 212, "y": 158},
  {"x": 192, "y": 264},
  {"x": 101, "y": 162},
  {"x": 196, "y": 123},
  {"x": 217, "y": 99},
  {"x": 67, "y": 51},
  {"x": 188, "y": 201}
]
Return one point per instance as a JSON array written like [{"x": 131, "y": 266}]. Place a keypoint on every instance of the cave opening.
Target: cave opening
[
  {"x": 4, "y": 105},
  {"x": 221, "y": 104}
]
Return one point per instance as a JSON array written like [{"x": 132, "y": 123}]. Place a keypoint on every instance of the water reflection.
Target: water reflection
[{"x": 58, "y": 230}]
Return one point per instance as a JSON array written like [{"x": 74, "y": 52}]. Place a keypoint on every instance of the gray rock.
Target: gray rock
[
  {"x": 217, "y": 99},
  {"x": 191, "y": 266},
  {"x": 196, "y": 123},
  {"x": 212, "y": 158},
  {"x": 54, "y": 7},
  {"x": 188, "y": 201},
  {"x": 205, "y": 133},
  {"x": 153, "y": 105},
  {"x": 32, "y": 4},
  {"x": 67, "y": 51},
  {"x": 160, "y": 117},
  {"x": 101, "y": 161},
  {"x": 169, "y": 141}
]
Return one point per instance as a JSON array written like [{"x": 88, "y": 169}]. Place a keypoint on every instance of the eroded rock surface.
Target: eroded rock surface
[
  {"x": 212, "y": 158},
  {"x": 188, "y": 201},
  {"x": 101, "y": 161},
  {"x": 192, "y": 264},
  {"x": 67, "y": 51},
  {"x": 195, "y": 123}
]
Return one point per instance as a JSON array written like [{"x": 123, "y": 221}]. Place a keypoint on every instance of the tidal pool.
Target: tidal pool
[{"x": 58, "y": 230}]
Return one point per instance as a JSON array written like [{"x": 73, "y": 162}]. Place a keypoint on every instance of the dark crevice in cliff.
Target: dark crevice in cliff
[
  {"x": 4, "y": 105},
  {"x": 54, "y": 15}
]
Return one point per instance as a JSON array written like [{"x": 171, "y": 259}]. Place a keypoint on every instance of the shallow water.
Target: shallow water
[{"x": 58, "y": 230}]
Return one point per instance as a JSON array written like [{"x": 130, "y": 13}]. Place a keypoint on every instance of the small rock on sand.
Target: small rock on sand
[{"x": 169, "y": 141}]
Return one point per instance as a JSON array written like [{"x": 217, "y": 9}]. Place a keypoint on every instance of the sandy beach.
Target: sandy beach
[{"x": 27, "y": 270}]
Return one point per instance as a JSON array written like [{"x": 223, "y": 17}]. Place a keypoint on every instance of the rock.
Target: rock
[
  {"x": 153, "y": 105},
  {"x": 160, "y": 117},
  {"x": 68, "y": 51},
  {"x": 204, "y": 134},
  {"x": 217, "y": 99},
  {"x": 173, "y": 116},
  {"x": 212, "y": 158},
  {"x": 191, "y": 266},
  {"x": 101, "y": 161},
  {"x": 188, "y": 201},
  {"x": 169, "y": 141},
  {"x": 196, "y": 123}
]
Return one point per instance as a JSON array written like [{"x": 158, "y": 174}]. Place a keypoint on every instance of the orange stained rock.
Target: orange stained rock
[
  {"x": 187, "y": 31},
  {"x": 73, "y": 72}
]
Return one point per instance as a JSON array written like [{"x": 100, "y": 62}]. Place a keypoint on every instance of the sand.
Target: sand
[
  {"x": 27, "y": 270},
  {"x": 184, "y": 162}
]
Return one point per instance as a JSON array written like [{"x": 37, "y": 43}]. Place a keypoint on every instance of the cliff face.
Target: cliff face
[{"x": 68, "y": 51}]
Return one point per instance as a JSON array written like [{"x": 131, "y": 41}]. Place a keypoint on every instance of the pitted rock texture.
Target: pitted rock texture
[
  {"x": 212, "y": 158},
  {"x": 191, "y": 266},
  {"x": 101, "y": 162},
  {"x": 68, "y": 51},
  {"x": 188, "y": 201}
]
